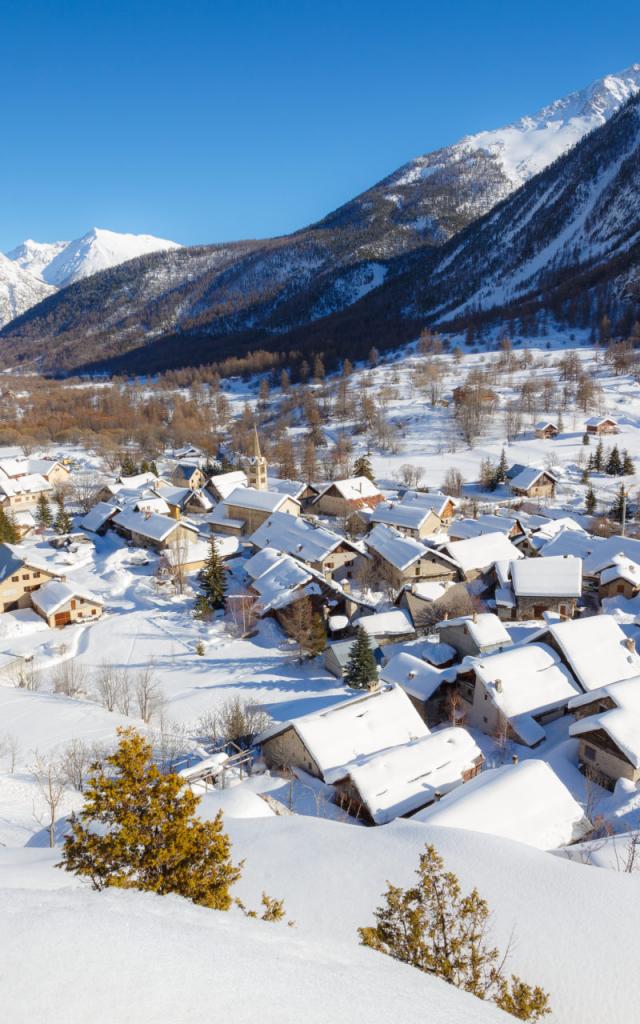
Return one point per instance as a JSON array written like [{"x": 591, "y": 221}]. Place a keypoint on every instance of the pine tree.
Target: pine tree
[
  {"x": 63, "y": 523},
  {"x": 153, "y": 469},
  {"x": 213, "y": 578},
  {"x": 617, "y": 510},
  {"x": 8, "y": 531},
  {"x": 628, "y": 468},
  {"x": 590, "y": 502},
  {"x": 439, "y": 930},
  {"x": 44, "y": 515},
  {"x": 584, "y": 479},
  {"x": 502, "y": 467},
  {"x": 598, "y": 458},
  {"x": 585, "y": 439},
  {"x": 138, "y": 830},
  {"x": 128, "y": 467},
  {"x": 614, "y": 464},
  {"x": 361, "y": 668},
  {"x": 362, "y": 467}
]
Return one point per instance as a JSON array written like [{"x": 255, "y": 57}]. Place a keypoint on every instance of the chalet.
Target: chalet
[
  {"x": 60, "y": 604},
  {"x": 183, "y": 500},
  {"x": 52, "y": 471},
  {"x": 252, "y": 507},
  {"x": 326, "y": 743},
  {"x": 336, "y": 655},
  {"x": 20, "y": 577},
  {"x": 525, "y": 802},
  {"x": 609, "y": 745},
  {"x": 397, "y": 782},
  {"x": 443, "y": 505},
  {"x": 621, "y": 579},
  {"x": 187, "y": 475},
  {"x": 138, "y": 481},
  {"x": 541, "y": 585},
  {"x": 98, "y": 518},
  {"x": 150, "y": 530},
  {"x": 546, "y": 430},
  {"x": 343, "y": 497},
  {"x": 221, "y": 485},
  {"x": 477, "y": 555},
  {"x": 462, "y": 529},
  {"x": 319, "y": 547},
  {"x": 515, "y": 692},
  {"x": 426, "y": 687},
  {"x": 402, "y": 559},
  {"x": 534, "y": 483},
  {"x": 605, "y": 553},
  {"x": 282, "y": 584},
  {"x": 409, "y": 520},
  {"x": 594, "y": 649},
  {"x": 601, "y": 425},
  {"x": 23, "y": 492},
  {"x": 474, "y": 634},
  {"x": 387, "y": 627}
]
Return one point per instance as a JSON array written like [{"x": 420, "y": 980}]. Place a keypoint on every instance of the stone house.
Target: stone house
[
  {"x": 150, "y": 530},
  {"x": 601, "y": 425},
  {"x": 400, "y": 560},
  {"x": 336, "y": 655},
  {"x": 427, "y": 687},
  {"x": 534, "y": 483},
  {"x": 477, "y": 555},
  {"x": 343, "y": 497},
  {"x": 443, "y": 505},
  {"x": 186, "y": 475},
  {"x": 61, "y": 604},
  {"x": 539, "y": 585},
  {"x": 473, "y": 635},
  {"x": 622, "y": 579},
  {"x": 20, "y": 578},
  {"x": 252, "y": 507},
  {"x": 315, "y": 545},
  {"x": 409, "y": 520},
  {"x": 609, "y": 746}
]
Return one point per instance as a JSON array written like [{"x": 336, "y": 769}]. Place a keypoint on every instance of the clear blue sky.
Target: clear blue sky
[{"x": 205, "y": 121}]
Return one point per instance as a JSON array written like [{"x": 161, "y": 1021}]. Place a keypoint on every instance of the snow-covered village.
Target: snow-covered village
[{"x": 320, "y": 547}]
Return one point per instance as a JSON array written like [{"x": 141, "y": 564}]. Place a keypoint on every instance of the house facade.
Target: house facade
[
  {"x": 19, "y": 579},
  {"x": 343, "y": 497}
]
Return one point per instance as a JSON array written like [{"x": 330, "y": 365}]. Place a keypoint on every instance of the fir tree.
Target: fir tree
[
  {"x": 501, "y": 468},
  {"x": 361, "y": 668},
  {"x": 128, "y": 467},
  {"x": 586, "y": 439},
  {"x": 590, "y": 502},
  {"x": 63, "y": 523},
  {"x": 439, "y": 930},
  {"x": 44, "y": 515},
  {"x": 628, "y": 468},
  {"x": 618, "y": 507},
  {"x": 213, "y": 578},
  {"x": 598, "y": 458},
  {"x": 614, "y": 464},
  {"x": 138, "y": 829},
  {"x": 363, "y": 467},
  {"x": 584, "y": 479},
  {"x": 153, "y": 468},
  {"x": 8, "y": 531}
]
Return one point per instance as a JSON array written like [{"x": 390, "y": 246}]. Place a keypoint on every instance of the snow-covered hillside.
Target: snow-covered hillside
[
  {"x": 19, "y": 290},
  {"x": 62, "y": 263}
]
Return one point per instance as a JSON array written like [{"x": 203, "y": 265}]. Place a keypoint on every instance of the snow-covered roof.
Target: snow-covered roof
[
  {"x": 249, "y": 497},
  {"x": 568, "y": 541},
  {"x": 53, "y": 595},
  {"x": 401, "y": 779},
  {"x": 409, "y": 517},
  {"x": 353, "y": 488},
  {"x": 435, "y": 500},
  {"x": 625, "y": 694},
  {"x": 620, "y": 724},
  {"x": 390, "y": 545},
  {"x": 524, "y": 680},
  {"x": 529, "y": 476},
  {"x": 547, "y": 577},
  {"x": 278, "y": 585},
  {"x": 392, "y": 623},
  {"x": 622, "y": 569},
  {"x": 543, "y": 424},
  {"x": 437, "y": 653},
  {"x": 485, "y": 629},
  {"x": 261, "y": 561},
  {"x": 608, "y": 551},
  {"x": 134, "y": 483},
  {"x": 428, "y": 590},
  {"x": 482, "y": 552},
  {"x": 225, "y": 483},
  {"x": 298, "y": 537},
  {"x": 10, "y": 562},
  {"x": 32, "y": 483},
  {"x": 98, "y": 516},
  {"x": 504, "y": 597},
  {"x": 415, "y": 676},
  {"x": 526, "y": 802},
  {"x": 191, "y": 551},
  {"x": 596, "y": 649},
  {"x": 153, "y": 526},
  {"x": 595, "y": 421},
  {"x": 346, "y": 732},
  {"x": 220, "y": 518}
]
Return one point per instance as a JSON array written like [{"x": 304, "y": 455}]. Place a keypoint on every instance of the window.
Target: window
[
  {"x": 589, "y": 753},
  {"x": 93, "y": 611},
  {"x": 15, "y": 579},
  {"x": 25, "y": 576},
  {"x": 37, "y": 575}
]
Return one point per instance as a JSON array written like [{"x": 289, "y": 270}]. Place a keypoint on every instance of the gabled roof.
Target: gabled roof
[
  {"x": 604, "y": 553},
  {"x": 353, "y": 488},
  {"x": 53, "y": 595},
  {"x": 595, "y": 421},
  {"x": 134, "y": 483},
  {"x": 277, "y": 586},
  {"x": 393, "y": 623},
  {"x": 397, "y": 514},
  {"x": 224, "y": 483},
  {"x": 153, "y": 526},
  {"x": 625, "y": 694},
  {"x": 415, "y": 676},
  {"x": 298, "y": 537},
  {"x": 12, "y": 559},
  {"x": 399, "y": 551},
  {"x": 261, "y": 561},
  {"x": 530, "y": 476},
  {"x": 434, "y": 500},
  {"x": 620, "y": 724},
  {"x": 547, "y": 577},
  {"x": 596, "y": 650},
  {"x": 543, "y": 424},
  {"x": 97, "y": 516},
  {"x": 404, "y": 778},
  {"x": 622, "y": 569},
  {"x": 32, "y": 483},
  {"x": 249, "y": 497},
  {"x": 525, "y": 680},
  {"x": 482, "y": 552},
  {"x": 485, "y": 629}
]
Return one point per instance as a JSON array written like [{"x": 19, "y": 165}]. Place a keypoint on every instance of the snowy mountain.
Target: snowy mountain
[
  {"x": 365, "y": 274},
  {"x": 62, "y": 263},
  {"x": 19, "y": 290}
]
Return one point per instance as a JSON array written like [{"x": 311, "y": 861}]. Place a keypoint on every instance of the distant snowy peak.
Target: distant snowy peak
[
  {"x": 36, "y": 256},
  {"x": 62, "y": 263},
  {"x": 19, "y": 290}
]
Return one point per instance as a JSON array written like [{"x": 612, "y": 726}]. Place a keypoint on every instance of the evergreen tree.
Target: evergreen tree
[
  {"x": 502, "y": 467},
  {"x": 213, "y": 578},
  {"x": 584, "y": 479},
  {"x": 138, "y": 829},
  {"x": 628, "y": 468},
  {"x": 585, "y": 439},
  {"x": 128, "y": 467},
  {"x": 8, "y": 531},
  {"x": 361, "y": 668},
  {"x": 598, "y": 458},
  {"x": 362, "y": 467},
  {"x": 614, "y": 463},
  {"x": 153, "y": 468},
  {"x": 63, "y": 523},
  {"x": 618, "y": 508},
  {"x": 590, "y": 502},
  {"x": 434, "y": 927},
  {"x": 591, "y": 464},
  {"x": 44, "y": 515}
]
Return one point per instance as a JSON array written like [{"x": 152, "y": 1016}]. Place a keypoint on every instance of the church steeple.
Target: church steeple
[{"x": 256, "y": 466}]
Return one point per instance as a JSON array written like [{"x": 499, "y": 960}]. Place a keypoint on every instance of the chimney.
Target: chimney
[
  {"x": 514, "y": 758},
  {"x": 499, "y": 685},
  {"x": 475, "y": 616},
  {"x": 630, "y": 644}
]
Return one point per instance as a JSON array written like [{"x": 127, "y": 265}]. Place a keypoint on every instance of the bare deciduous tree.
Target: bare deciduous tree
[
  {"x": 148, "y": 694},
  {"x": 69, "y": 678},
  {"x": 51, "y": 782}
]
